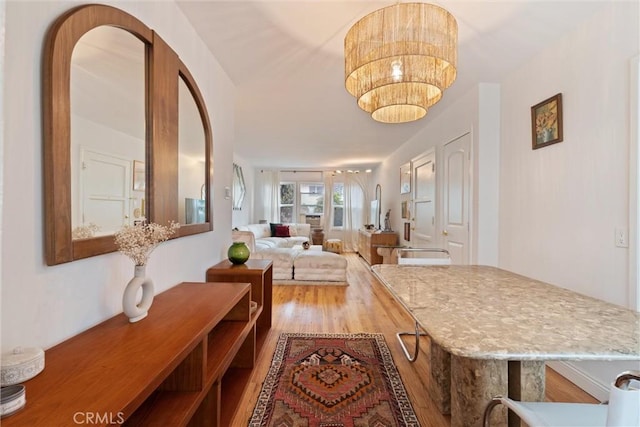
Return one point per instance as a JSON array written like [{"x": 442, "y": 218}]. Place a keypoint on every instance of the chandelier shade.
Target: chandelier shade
[{"x": 400, "y": 59}]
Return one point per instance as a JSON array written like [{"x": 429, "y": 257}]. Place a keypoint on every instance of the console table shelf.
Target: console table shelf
[
  {"x": 367, "y": 241},
  {"x": 176, "y": 367}
]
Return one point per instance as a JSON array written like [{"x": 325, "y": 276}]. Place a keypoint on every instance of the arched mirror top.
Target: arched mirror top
[
  {"x": 162, "y": 70},
  {"x": 194, "y": 157},
  {"x": 59, "y": 46},
  {"x": 108, "y": 132}
]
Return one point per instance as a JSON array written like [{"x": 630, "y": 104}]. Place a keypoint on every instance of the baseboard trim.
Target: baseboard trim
[{"x": 581, "y": 379}]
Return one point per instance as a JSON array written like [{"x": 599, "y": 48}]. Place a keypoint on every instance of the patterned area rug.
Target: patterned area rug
[{"x": 334, "y": 380}]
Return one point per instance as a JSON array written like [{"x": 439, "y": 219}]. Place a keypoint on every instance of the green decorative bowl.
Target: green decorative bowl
[{"x": 238, "y": 253}]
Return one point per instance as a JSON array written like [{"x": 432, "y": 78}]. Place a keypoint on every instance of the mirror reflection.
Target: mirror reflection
[
  {"x": 191, "y": 159},
  {"x": 107, "y": 132},
  {"x": 239, "y": 189}
]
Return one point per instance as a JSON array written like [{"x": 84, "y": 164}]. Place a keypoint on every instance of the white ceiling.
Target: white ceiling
[{"x": 286, "y": 60}]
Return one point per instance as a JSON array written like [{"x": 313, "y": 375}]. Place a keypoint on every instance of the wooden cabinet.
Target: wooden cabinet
[
  {"x": 257, "y": 272},
  {"x": 368, "y": 240},
  {"x": 184, "y": 364}
]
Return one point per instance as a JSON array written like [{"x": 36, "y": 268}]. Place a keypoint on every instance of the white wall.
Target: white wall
[
  {"x": 559, "y": 205},
  {"x": 42, "y": 305},
  {"x": 477, "y": 112}
]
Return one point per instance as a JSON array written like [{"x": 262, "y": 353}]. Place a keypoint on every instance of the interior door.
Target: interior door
[
  {"x": 455, "y": 199},
  {"x": 423, "y": 216},
  {"x": 105, "y": 191}
]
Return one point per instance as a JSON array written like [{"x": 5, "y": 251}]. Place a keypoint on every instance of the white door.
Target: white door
[
  {"x": 423, "y": 215},
  {"x": 455, "y": 199},
  {"x": 104, "y": 191}
]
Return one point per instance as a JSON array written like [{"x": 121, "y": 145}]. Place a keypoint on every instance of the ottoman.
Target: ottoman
[
  {"x": 320, "y": 266},
  {"x": 282, "y": 261},
  {"x": 333, "y": 245}
]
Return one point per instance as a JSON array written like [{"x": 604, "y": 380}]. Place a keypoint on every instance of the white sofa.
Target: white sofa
[
  {"x": 297, "y": 234},
  {"x": 289, "y": 263}
]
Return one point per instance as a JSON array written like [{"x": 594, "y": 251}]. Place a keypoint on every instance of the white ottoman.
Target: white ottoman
[
  {"x": 320, "y": 266},
  {"x": 282, "y": 261}
]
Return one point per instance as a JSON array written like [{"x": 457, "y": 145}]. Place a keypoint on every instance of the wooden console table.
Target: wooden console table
[
  {"x": 184, "y": 364},
  {"x": 367, "y": 242}
]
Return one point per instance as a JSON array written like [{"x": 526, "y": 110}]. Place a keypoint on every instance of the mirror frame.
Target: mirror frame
[
  {"x": 207, "y": 225},
  {"x": 163, "y": 69}
]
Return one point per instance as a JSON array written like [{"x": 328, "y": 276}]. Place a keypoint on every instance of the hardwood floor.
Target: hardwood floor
[{"x": 364, "y": 306}]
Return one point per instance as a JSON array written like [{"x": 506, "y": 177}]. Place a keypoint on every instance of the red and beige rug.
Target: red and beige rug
[{"x": 332, "y": 380}]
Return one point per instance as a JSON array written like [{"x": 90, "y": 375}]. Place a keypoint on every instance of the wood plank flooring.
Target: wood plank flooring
[{"x": 364, "y": 306}]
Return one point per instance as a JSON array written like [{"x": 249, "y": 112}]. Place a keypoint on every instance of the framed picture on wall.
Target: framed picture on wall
[
  {"x": 407, "y": 231},
  {"x": 404, "y": 209},
  {"x": 546, "y": 122},
  {"x": 405, "y": 178}
]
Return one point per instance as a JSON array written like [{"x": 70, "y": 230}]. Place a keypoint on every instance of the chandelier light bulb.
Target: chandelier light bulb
[{"x": 396, "y": 70}]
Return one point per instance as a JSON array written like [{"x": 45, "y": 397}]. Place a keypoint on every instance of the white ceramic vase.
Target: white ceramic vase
[{"x": 137, "y": 310}]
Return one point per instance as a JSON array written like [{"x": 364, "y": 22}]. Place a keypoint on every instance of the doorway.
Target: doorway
[
  {"x": 424, "y": 201},
  {"x": 104, "y": 191},
  {"x": 455, "y": 198}
]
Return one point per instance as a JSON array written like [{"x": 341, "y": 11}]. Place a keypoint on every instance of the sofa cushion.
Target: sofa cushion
[
  {"x": 293, "y": 230},
  {"x": 290, "y": 242},
  {"x": 274, "y": 242},
  {"x": 282, "y": 231},
  {"x": 259, "y": 230},
  {"x": 273, "y": 226},
  {"x": 303, "y": 230},
  {"x": 262, "y": 244}
]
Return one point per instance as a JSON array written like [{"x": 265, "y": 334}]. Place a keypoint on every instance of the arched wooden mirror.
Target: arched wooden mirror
[
  {"x": 194, "y": 154},
  {"x": 108, "y": 132},
  {"x": 88, "y": 143}
]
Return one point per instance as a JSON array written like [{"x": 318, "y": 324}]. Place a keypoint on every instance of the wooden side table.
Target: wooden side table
[
  {"x": 257, "y": 272},
  {"x": 317, "y": 236}
]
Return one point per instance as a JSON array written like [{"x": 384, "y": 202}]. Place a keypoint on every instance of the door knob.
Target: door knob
[{"x": 445, "y": 232}]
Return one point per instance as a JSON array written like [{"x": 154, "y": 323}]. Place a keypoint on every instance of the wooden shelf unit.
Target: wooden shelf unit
[
  {"x": 167, "y": 369},
  {"x": 367, "y": 240},
  {"x": 259, "y": 273}
]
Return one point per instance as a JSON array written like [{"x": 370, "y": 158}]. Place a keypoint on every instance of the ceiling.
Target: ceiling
[{"x": 286, "y": 60}]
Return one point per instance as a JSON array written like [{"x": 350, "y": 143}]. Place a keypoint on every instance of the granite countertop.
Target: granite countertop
[{"x": 484, "y": 312}]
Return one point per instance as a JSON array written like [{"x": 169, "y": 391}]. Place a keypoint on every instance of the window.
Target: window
[
  {"x": 287, "y": 201},
  {"x": 337, "y": 204},
  {"x": 298, "y": 199},
  {"x": 311, "y": 199}
]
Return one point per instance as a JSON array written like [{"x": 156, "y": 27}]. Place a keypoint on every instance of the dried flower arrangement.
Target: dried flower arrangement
[
  {"x": 85, "y": 231},
  {"x": 138, "y": 241}
]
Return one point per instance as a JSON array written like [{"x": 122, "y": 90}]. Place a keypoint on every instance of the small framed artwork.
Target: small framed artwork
[
  {"x": 138, "y": 176},
  {"x": 404, "y": 209},
  {"x": 405, "y": 178},
  {"x": 546, "y": 122}
]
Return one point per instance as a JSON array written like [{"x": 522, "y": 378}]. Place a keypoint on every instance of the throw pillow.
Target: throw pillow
[
  {"x": 273, "y": 228},
  {"x": 293, "y": 231},
  {"x": 282, "y": 231}
]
